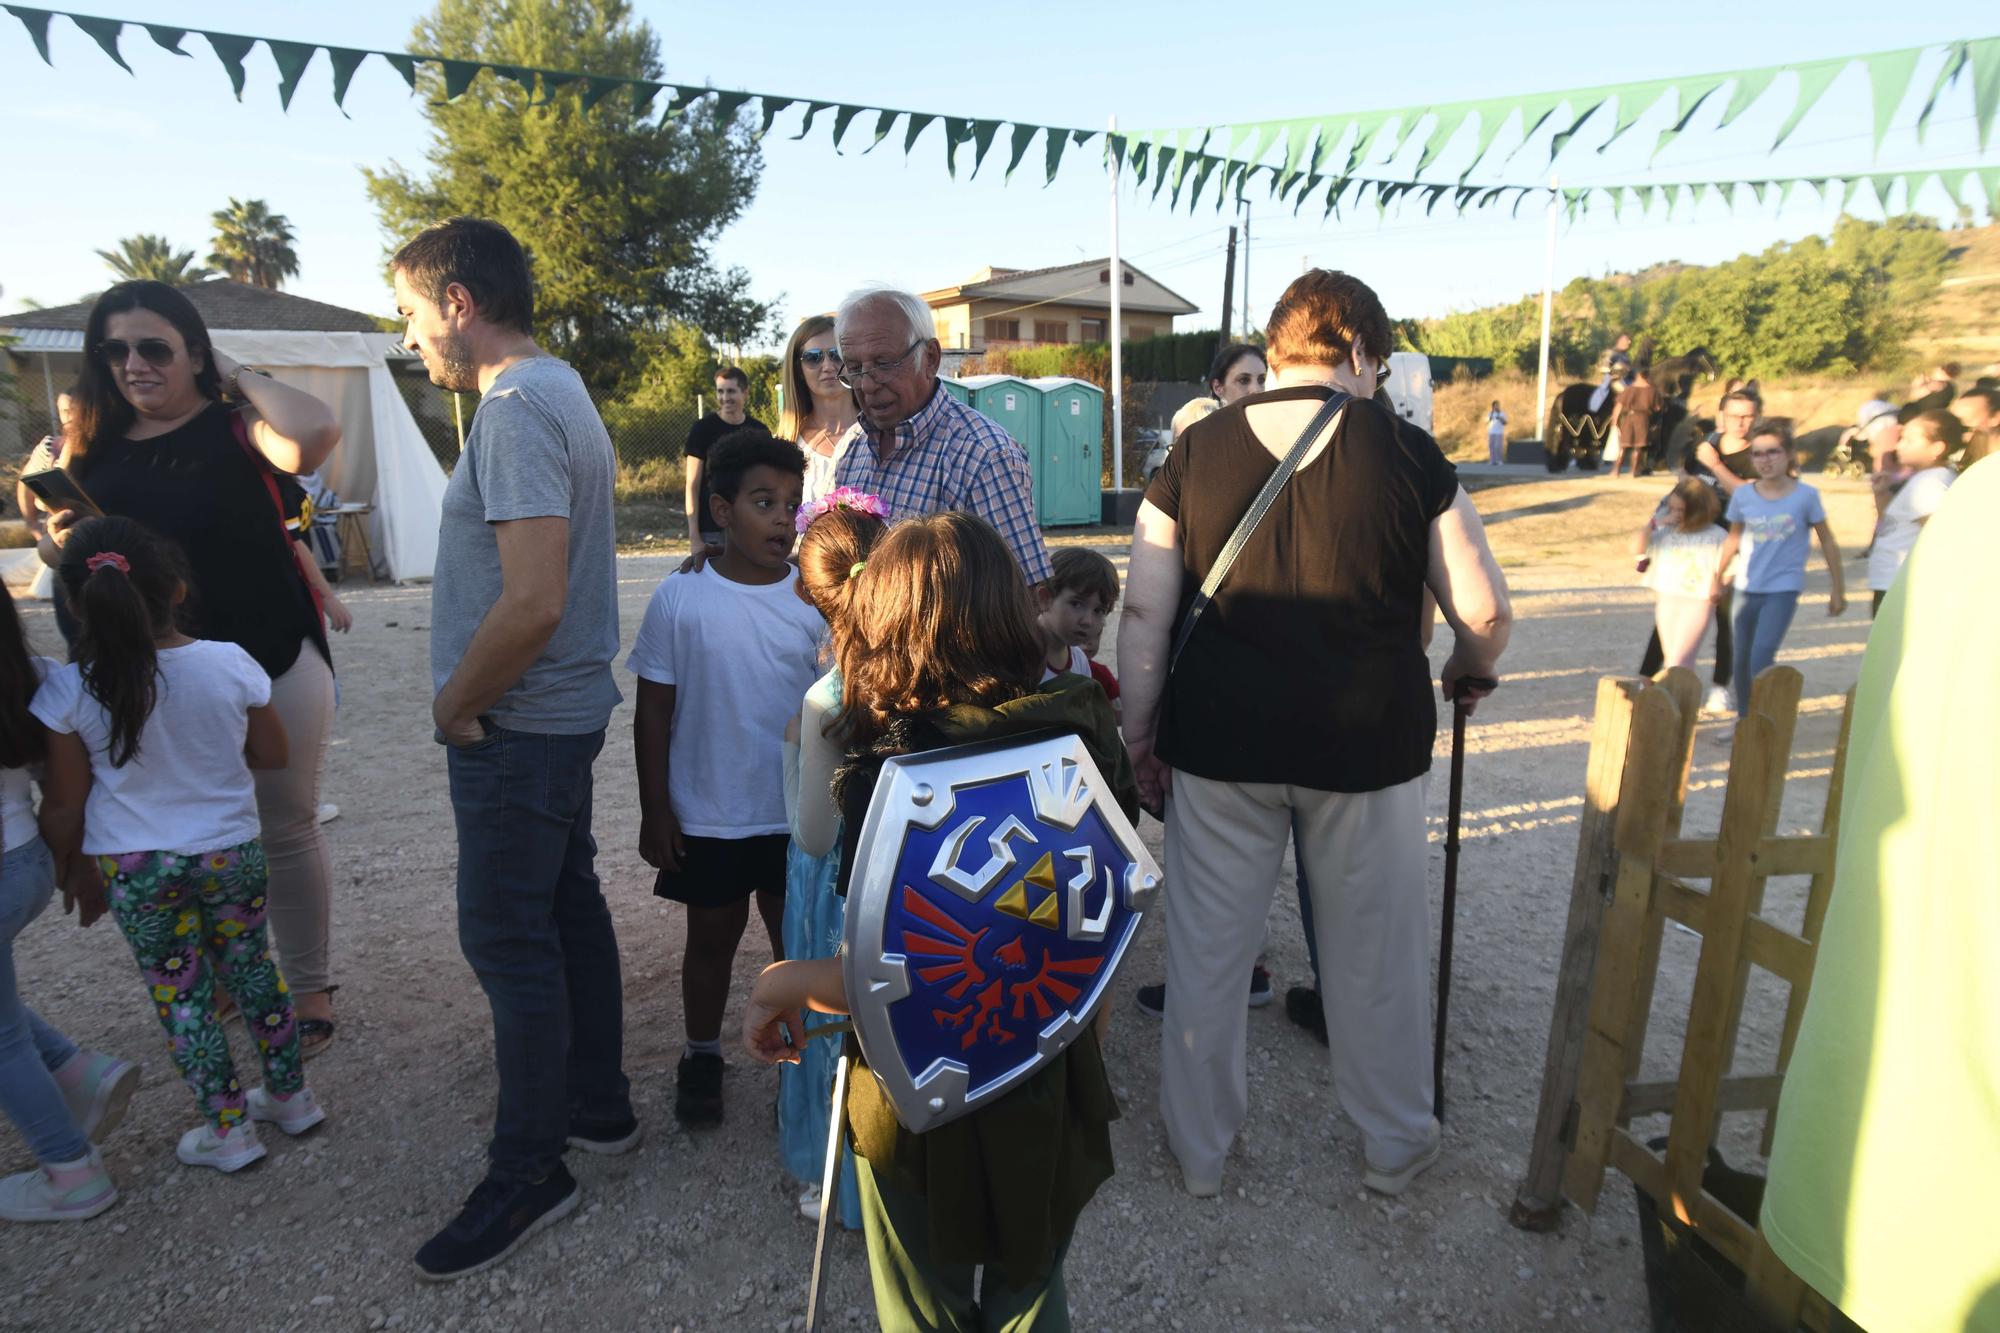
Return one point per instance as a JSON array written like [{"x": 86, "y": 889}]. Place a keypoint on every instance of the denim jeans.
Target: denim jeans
[
  {"x": 30, "y": 1050},
  {"x": 533, "y": 924},
  {"x": 1761, "y": 621}
]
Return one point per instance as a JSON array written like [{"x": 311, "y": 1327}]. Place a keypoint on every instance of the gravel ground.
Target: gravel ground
[{"x": 698, "y": 1231}]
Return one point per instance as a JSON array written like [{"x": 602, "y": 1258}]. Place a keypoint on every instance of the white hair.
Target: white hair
[{"x": 916, "y": 314}]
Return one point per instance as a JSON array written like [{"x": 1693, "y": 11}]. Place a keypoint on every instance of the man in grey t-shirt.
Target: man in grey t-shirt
[{"x": 524, "y": 617}]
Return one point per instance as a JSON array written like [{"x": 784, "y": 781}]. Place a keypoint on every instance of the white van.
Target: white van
[{"x": 1410, "y": 387}]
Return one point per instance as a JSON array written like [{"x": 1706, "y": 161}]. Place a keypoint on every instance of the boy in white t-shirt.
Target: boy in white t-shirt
[{"x": 724, "y": 657}]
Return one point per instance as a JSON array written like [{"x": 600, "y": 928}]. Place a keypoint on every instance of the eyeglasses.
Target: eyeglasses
[
  {"x": 1767, "y": 453},
  {"x": 116, "y": 351},
  {"x": 851, "y": 375},
  {"x": 812, "y": 356},
  {"x": 1381, "y": 373}
]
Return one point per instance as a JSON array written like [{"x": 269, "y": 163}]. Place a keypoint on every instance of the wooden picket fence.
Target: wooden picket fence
[{"x": 1635, "y": 872}]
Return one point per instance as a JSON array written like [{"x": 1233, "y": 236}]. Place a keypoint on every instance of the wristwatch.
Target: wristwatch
[{"x": 234, "y": 388}]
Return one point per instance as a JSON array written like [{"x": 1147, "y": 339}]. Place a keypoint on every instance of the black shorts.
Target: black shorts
[{"x": 716, "y": 872}]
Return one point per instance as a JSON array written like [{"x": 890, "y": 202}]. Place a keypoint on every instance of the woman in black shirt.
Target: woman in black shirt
[
  {"x": 154, "y": 441},
  {"x": 1302, "y": 703}
]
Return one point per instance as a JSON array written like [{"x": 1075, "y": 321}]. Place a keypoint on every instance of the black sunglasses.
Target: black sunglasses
[
  {"x": 116, "y": 351},
  {"x": 812, "y": 356}
]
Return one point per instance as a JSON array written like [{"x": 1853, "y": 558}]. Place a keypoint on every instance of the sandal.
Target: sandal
[{"x": 315, "y": 1035}]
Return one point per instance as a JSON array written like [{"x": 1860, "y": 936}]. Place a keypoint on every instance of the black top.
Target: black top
[
  {"x": 197, "y": 487},
  {"x": 703, "y": 436},
  {"x": 1308, "y": 668}
]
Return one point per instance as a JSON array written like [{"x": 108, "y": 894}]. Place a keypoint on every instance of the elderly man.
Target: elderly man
[{"x": 915, "y": 445}]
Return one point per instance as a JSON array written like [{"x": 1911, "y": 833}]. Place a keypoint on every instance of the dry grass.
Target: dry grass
[{"x": 1962, "y": 322}]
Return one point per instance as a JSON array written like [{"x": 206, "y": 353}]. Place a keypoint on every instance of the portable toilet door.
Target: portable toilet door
[
  {"x": 1012, "y": 403},
  {"x": 1409, "y": 387},
  {"x": 1072, "y": 439},
  {"x": 956, "y": 388}
]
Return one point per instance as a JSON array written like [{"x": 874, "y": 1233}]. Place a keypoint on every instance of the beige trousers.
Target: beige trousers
[
  {"x": 301, "y": 891},
  {"x": 1366, "y": 859}
]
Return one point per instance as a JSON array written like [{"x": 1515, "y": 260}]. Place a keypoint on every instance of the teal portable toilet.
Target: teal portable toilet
[
  {"x": 1069, "y": 473},
  {"x": 1013, "y": 403},
  {"x": 956, "y": 388}
]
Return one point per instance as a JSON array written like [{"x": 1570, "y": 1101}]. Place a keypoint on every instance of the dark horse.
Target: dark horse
[{"x": 1576, "y": 431}]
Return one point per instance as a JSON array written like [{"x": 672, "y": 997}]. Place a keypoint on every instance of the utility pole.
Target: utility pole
[
  {"x": 1228, "y": 291},
  {"x": 1548, "y": 299},
  {"x": 1117, "y": 386},
  {"x": 1246, "y": 270}
]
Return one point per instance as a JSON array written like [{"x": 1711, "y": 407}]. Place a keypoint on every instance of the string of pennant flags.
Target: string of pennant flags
[{"x": 1305, "y": 159}]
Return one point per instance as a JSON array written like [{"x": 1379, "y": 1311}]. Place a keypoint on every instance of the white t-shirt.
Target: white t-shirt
[
  {"x": 1902, "y": 520},
  {"x": 1496, "y": 424},
  {"x": 188, "y": 789},
  {"x": 740, "y": 657},
  {"x": 17, "y": 785},
  {"x": 1682, "y": 564},
  {"x": 1079, "y": 665}
]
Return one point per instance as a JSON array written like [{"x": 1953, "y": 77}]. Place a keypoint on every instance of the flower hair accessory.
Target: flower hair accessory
[
  {"x": 843, "y": 497},
  {"x": 112, "y": 558}
]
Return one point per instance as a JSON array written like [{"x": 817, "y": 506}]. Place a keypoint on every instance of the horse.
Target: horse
[{"x": 1573, "y": 429}]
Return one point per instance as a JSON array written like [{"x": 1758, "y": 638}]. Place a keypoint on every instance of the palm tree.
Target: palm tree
[
  {"x": 148, "y": 256},
  {"x": 253, "y": 244}
]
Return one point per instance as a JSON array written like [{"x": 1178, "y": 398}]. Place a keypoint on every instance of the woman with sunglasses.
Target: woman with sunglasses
[
  {"x": 819, "y": 409},
  {"x": 154, "y": 440}
]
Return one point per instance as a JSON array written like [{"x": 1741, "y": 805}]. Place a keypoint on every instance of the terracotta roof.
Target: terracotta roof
[{"x": 224, "y": 304}]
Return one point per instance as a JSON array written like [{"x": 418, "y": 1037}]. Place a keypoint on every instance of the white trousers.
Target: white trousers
[{"x": 1366, "y": 859}]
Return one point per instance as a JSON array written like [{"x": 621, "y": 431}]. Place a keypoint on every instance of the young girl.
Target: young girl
[
  {"x": 60, "y": 1099},
  {"x": 1680, "y": 544},
  {"x": 153, "y": 738},
  {"x": 1496, "y": 435},
  {"x": 840, "y": 532},
  {"x": 940, "y": 648},
  {"x": 1776, "y": 511}
]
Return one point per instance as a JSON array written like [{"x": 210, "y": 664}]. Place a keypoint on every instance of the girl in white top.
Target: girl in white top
[
  {"x": 59, "y": 1098},
  {"x": 153, "y": 736},
  {"x": 1906, "y": 499},
  {"x": 1496, "y": 435},
  {"x": 1681, "y": 546}
]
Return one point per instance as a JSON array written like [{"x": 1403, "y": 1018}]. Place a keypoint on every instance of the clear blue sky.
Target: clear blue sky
[{"x": 94, "y": 154}]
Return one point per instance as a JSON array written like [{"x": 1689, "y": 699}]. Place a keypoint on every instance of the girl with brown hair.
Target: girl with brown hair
[
  {"x": 1680, "y": 545},
  {"x": 939, "y": 648}
]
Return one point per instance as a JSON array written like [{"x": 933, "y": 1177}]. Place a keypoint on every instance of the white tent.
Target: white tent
[{"x": 381, "y": 460}]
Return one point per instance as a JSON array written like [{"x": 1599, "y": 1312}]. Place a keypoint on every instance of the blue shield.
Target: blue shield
[{"x": 996, "y": 889}]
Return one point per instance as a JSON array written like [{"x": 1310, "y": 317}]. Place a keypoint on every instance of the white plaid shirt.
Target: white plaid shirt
[{"x": 949, "y": 456}]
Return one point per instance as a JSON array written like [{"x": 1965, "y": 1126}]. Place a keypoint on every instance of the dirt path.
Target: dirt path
[{"x": 699, "y": 1231}]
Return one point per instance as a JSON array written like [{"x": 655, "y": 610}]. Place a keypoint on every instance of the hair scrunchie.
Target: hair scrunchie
[
  {"x": 112, "y": 558},
  {"x": 855, "y": 569}
]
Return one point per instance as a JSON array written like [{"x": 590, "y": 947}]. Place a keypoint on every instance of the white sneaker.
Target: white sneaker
[
  {"x": 58, "y": 1192},
  {"x": 295, "y": 1115},
  {"x": 809, "y": 1203},
  {"x": 1718, "y": 700},
  {"x": 327, "y": 812},
  {"x": 1394, "y": 1182},
  {"x": 97, "y": 1088},
  {"x": 225, "y": 1152}
]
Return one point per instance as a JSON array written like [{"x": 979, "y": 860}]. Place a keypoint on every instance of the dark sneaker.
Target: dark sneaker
[
  {"x": 496, "y": 1219},
  {"x": 1260, "y": 987},
  {"x": 1302, "y": 1006},
  {"x": 607, "y": 1138},
  {"x": 698, "y": 1089},
  {"x": 1153, "y": 999}
]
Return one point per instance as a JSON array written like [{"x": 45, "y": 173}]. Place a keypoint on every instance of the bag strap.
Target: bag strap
[
  {"x": 1254, "y": 515},
  {"x": 241, "y": 430}
]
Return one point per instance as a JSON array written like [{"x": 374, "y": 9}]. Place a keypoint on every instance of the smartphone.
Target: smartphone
[{"x": 58, "y": 490}]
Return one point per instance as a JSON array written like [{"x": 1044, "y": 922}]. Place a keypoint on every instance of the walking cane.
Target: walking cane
[
  {"x": 1446, "y": 926},
  {"x": 829, "y": 1182}
]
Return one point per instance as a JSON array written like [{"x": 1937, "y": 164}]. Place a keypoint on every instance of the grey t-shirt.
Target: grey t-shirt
[{"x": 537, "y": 449}]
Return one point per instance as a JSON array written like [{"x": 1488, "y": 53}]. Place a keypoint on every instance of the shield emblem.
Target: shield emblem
[{"x": 996, "y": 889}]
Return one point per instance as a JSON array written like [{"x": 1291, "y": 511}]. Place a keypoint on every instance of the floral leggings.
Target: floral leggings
[{"x": 189, "y": 920}]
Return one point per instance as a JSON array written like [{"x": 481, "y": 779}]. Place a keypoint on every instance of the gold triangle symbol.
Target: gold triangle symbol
[
  {"x": 1047, "y": 914},
  {"x": 1043, "y": 876},
  {"x": 1014, "y": 902}
]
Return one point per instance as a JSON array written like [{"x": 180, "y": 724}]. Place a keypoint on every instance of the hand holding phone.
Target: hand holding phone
[{"x": 58, "y": 490}]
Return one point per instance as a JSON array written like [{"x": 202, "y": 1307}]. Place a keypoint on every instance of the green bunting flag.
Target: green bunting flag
[{"x": 1297, "y": 155}]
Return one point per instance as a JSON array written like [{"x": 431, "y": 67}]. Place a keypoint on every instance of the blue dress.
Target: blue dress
[{"x": 815, "y": 918}]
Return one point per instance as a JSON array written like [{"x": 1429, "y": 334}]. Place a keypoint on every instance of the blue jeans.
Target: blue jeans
[
  {"x": 1761, "y": 621},
  {"x": 31, "y": 1050},
  {"x": 533, "y": 924}
]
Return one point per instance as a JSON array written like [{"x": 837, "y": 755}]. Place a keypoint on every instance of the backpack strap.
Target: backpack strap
[{"x": 1247, "y": 525}]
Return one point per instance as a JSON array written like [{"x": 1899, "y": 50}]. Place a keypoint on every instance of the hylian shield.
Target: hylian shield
[{"x": 996, "y": 888}]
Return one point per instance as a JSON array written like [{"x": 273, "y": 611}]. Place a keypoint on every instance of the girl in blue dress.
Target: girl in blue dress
[{"x": 839, "y": 531}]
